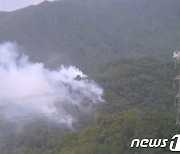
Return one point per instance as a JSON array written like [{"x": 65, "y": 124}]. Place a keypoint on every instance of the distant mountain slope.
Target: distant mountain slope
[
  {"x": 145, "y": 84},
  {"x": 89, "y": 32}
]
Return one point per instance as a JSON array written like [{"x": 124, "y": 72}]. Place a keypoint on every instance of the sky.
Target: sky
[{"x": 11, "y": 5}]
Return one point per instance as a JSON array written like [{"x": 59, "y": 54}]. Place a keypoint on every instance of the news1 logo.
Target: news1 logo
[
  {"x": 175, "y": 143},
  {"x": 158, "y": 143}
]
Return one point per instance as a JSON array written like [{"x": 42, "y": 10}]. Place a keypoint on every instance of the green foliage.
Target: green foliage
[
  {"x": 139, "y": 104},
  {"x": 113, "y": 133},
  {"x": 146, "y": 84},
  {"x": 138, "y": 93},
  {"x": 59, "y": 33}
]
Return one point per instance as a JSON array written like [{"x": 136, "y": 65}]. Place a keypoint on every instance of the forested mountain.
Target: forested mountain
[
  {"x": 145, "y": 83},
  {"x": 99, "y": 31},
  {"x": 126, "y": 47},
  {"x": 139, "y": 104}
]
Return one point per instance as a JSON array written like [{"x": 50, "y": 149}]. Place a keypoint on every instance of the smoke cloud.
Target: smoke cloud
[{"x": 29, "y": 90}]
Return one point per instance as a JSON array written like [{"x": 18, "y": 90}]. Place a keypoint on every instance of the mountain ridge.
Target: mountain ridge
[{"x": 88, "y": 33}]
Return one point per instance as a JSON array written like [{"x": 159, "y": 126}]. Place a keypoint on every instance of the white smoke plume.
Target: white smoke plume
[{"x": 29, "y": 90}]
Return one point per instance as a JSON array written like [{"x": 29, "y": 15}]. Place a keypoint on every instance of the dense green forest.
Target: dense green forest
[
  {"x": 126, "y": 47},
  {"x": 100, "y": 31},
  {"x": 145, "y": 83},
  {"x": 139, "y": 104}
]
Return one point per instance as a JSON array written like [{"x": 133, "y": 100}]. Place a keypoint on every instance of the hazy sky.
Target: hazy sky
[{"x": 10, "y": 5}]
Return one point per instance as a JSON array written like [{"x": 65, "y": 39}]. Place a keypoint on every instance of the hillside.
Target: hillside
[
  {"x": 146, "y": 84},
  {"x": 139, "y": 104},
  {"x": 125, "y": 46},
  {"x": 90, "y": 32}
]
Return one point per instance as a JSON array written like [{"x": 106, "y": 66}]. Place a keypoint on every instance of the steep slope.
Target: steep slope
[
  {"x": 88, "y": 32},
  {"x": 139, "y": 104},
  {"x": 146, "y": 84}
]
